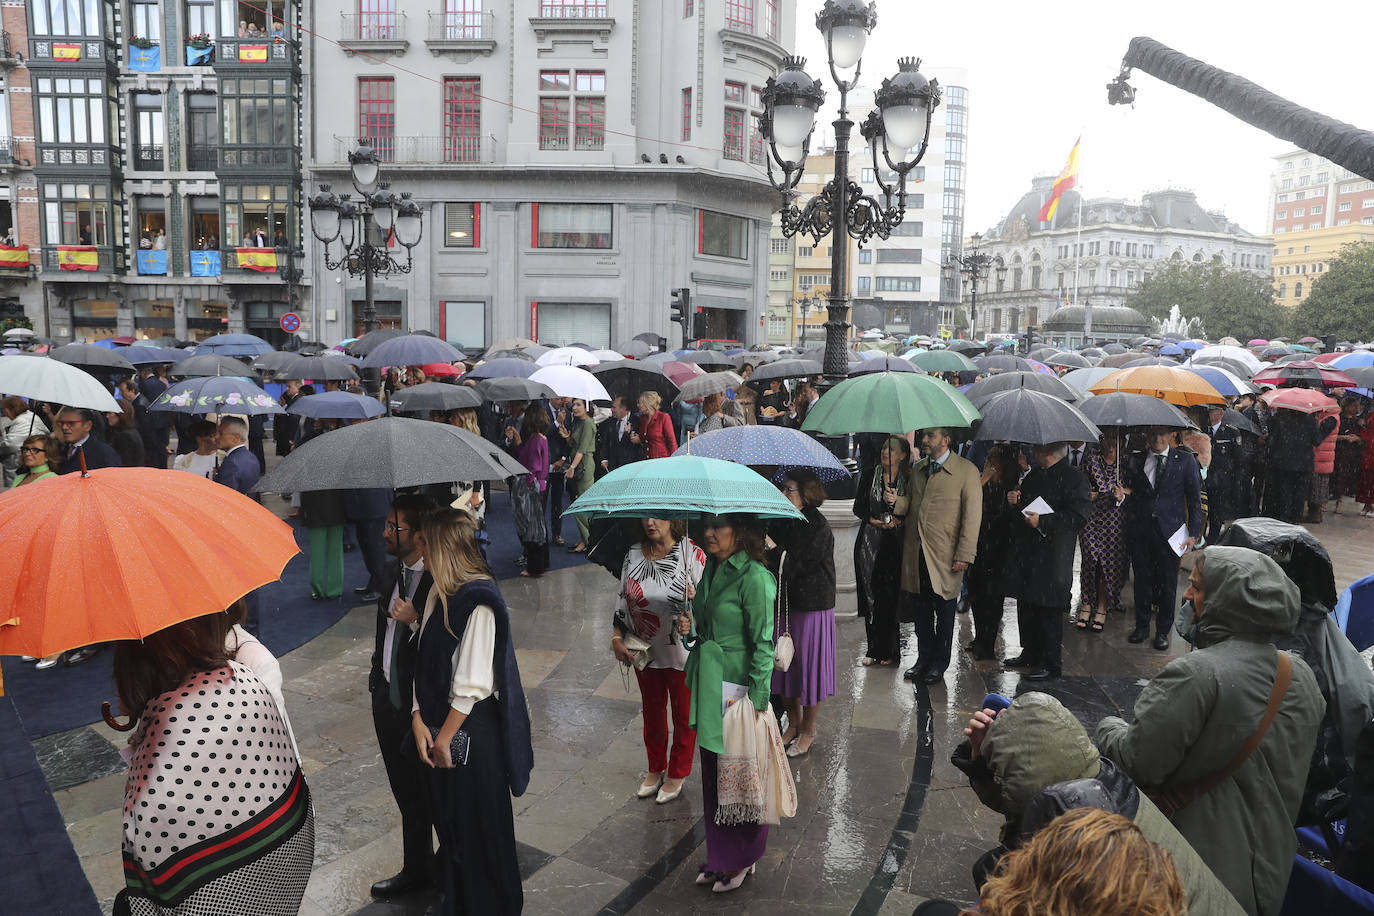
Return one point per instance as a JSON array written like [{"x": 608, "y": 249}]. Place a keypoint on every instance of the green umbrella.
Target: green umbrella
[
  {"x": 685, "y": 486},
  {"x": 889, "y": 402},
  {"x": 943, "y": 361}
]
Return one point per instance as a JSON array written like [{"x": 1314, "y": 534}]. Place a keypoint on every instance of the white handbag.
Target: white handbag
[
  {"x": 641, "y": 650},
  {"x": 783, "y": 649}
]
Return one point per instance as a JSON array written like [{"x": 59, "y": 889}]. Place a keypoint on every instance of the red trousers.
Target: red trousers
[{"x": 659, "y": 688}]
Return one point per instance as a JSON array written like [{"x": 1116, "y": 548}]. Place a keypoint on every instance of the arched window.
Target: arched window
[
  {"x": 1283, "y": 290},
  {"x": 1297, "y": 290},
  {"x": 1197, "y": 258}
]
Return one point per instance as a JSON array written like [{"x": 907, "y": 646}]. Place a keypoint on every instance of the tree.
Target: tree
[
  {"x": 1342, "y": 299},
  {"x": 1238, "y": 303}
]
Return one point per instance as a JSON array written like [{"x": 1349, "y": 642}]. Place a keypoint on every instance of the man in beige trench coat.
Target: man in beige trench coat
[{"x": 940, "y": 542}]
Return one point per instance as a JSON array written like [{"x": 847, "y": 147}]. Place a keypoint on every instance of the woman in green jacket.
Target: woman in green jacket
[
  {"x": 733, "y": 654},
  {"x": 581, "y": 463}
]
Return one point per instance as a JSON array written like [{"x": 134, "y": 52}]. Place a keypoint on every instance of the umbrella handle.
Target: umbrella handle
[{"x": 110, "y": 720}]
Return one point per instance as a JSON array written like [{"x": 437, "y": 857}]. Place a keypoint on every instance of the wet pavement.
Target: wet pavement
[{"x": 883, "y": 819}]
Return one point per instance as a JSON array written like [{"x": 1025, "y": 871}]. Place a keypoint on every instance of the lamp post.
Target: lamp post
[
  {"x": 806, "y": 304},
  {"x": 366, "y": 227},
  {"x": 899, "y": 125},
  {"x": 975, "y": 267},
  {"x": 290, "y": 272}
]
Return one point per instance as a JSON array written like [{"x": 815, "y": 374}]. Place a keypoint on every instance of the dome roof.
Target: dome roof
[
  {"x": 1106, "y": 319},
  {"x": 1027, "y": 209}
]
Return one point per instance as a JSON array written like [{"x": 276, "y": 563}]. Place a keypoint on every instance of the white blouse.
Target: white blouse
[{"x": 473, "y": 675}]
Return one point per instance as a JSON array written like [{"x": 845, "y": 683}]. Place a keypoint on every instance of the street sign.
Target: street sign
[{"x": 291, "y": 322}]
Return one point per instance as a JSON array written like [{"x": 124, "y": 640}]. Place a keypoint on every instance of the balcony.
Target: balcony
[
  {"x": 8, "y": 57},
  {"x": 573, "y": 9},
  {"x": 202, "y": 158},
  {"x": 752, "y": 36},
  {"x": 455, "y": 150},
  {"x": 148, "y": 158},
  {"x": 373, "y": 32},
  {"x": 7, "y": 147},
  {"x": 573, "y": 17},
  {"x": 461, "y": 32}
]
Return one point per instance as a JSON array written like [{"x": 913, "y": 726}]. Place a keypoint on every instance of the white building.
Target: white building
[{"x": 576, "y": 160}]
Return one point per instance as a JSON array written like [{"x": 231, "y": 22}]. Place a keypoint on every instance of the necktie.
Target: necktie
[
  {"x": 1077, "y": 456},
  {"x": 1159, "y": 471},
  {"x": 397, "y": 638},
  {"x": 931, "y": 468}
]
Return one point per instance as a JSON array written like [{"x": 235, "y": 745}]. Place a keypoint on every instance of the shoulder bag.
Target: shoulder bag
[{"x": 783, "y": 649}]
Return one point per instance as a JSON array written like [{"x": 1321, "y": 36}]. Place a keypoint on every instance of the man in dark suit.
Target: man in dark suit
[
  {"x": 154, "y": 425},
  {"x": 391, "y": 681},
  {"x": 1042, "y": 546},
  {"x": 1222, "y": 473},
  {"x": 614, "y": 447},
  {"x": 240, "y": 469},
  {"x": 1165, "y": 494},
  {"x": 366, "y": 510},
  {"x": 75, "y": 426}
]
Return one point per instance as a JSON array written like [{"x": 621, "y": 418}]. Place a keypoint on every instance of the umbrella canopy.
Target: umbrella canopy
[
  {"x": 707, "y": 383},
  {"x": 72, "y": 576},
  {"x": 1234, "y": 366},
  {"x": 1113, "y": 349},
  {"x": 1258, "y": 342},
  {"x": 1223, "y": 381},
  {"x": 234, "y": 345},
  {"x": 1034, "y": 417},
  {"x": 1118, "y": 360},
  {"x": 364, "y": 345},
  {"x": 152, "y": 356},
  {"x": 680, "y": 372},
  {"x": 40, "y": 379},
  {"x": 1269, "y": 354},
  {"x": 943, "y": 361},
  {"x": 649, "y": 337},
  {"x": 13, "y": 333},
  {"x": 1309, "y": 340},
  {"x": 513, "y": 389},
  {"x": 410, "y": 350},
  {"x": 1305, "y": 371},
  {"x": 509, "y": 343},
  {"x": 440, "y": 370},
  {"x": 89, "y": 356},
  {"x": 684, "y": 486},
  {"x": 527, "y": 356},
  {"x": 966, "y": 346},
  {"x": 1177, "y": 386},
  {"x": 1069, "y": 360},
  {"x": 1081, "y": 380},
  {"x": 766, "y": 446},
  {"x": 1300, "y": 348},
  {"x": 883, "y": 364},
  {"x": 1303, "y": 400},
  {"x": 216, "y": 394},
  {"x": 1363, "y": 376},
  {"x": 604, "y": 355},
  {"x": 435, "y": 396},
  {"x": 567, "y": 356},
  {"x": 572, "y": 382},
  {"x": 635, "y": 349},
  {"x": 209, "y": 365},
  {"x": 1347, "y": 361},
  {"x": 276, "y": 361},
  {"x": 391, "y": 452},
  {"x": 1148, "y": 361},
  {"x": 1092, "y": 352},
  {"x": 1003, "y": 364},
  {"x": 1123, "y": 408},
  {"x": 341, "y": 405},
  {"x": 889, "y": 402},
  {"x": 1172, "y": 350},
  {"x": 1238, "y": 420},
  {"x": 986, "y": 388},
  {"x": 708, "y": 359},
  {"x": 1239, "y": 354},
  {"x": 318, "y": 368},
  {"x": 1041, "y": 352},
  {"x": 504, "y": 367},
  {"x": 629, "y": 378},
  {"x": 788, "y": 368}
]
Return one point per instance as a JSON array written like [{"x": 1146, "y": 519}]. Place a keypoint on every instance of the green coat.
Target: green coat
[
  {"x": 583, "y": 439},
  {"x": 733, "y": 609}
]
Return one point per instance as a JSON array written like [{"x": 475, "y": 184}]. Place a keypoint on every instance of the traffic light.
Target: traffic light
[{"x": 682, "y": 310}]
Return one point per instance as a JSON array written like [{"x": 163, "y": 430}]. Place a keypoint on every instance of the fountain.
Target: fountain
[{"x": 1177, "y": 326}]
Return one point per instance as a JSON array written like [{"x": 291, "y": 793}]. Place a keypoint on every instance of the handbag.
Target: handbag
[
  {"x": 641, "y": 650},
  {"x": 783, "y": 648},
  {"x": 457, "y": 748}
]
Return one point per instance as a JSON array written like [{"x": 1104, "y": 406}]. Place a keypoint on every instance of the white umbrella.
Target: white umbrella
[
  {"x": 606, "y": 356},
  {"x": 572, "y": 382},
  {"x": 710, "y": 383},
  {"x": 19, "y": 332},
  {"x": 43, "y": 379},
  {"x": 1240, "y": 354},
  {"x": 568, "y": 356},
  {"x": 1082, "y": 379}
]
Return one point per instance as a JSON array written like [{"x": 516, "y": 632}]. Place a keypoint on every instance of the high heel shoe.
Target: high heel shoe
[
  {"x": 706, "y": 877},
  {"x": 664, "y": 796},
  {"x": 646, "y": 790},
  {"x": 723, "y": 886}
]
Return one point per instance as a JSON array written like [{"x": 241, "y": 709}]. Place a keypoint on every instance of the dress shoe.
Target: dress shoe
[
  {"x": 664, "y": 796},
  {"x": 368, "y": 596},
  {"x": 914, "y": 673},
  {"x": 361, "y": 589},
  {"x": 1139, "y": 635},
  {"x": 1042, "y": 674},
  {"x": 648, "y": 790},
  {"x": 1161, "y": 642},
  {"x": 933, "y": 678},
  {"x": 398, "y": 884},
  {"x": 45, "y": 663},
  {"x": 80, "y": 656},
  {"x": 1020, "y": 661},
  {"x": 722, "y": 886}
]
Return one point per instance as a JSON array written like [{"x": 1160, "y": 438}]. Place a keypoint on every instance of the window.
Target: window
[
  {"x": 145, "y": 20},
  {"x": 464, "y": 324},
  {"x": 1366, "y": 203},
  {"x": 770, "y": 19},
  {"x": 899, "y": 284},
  {"x": 808, "y": 282},
  {"x": 1297, "y": 290},
  {"x": 376, "y": 20},
  {"x": 553, "y": 123},
  {"x": 909, "y": 228},
  {"x": 739, "y": 15},
  {"x": 572, "y": 9},
  {"x": 865, "y": 286},
  {"x": 868, "y": 176},
  {"x": 1283, "y": 198},
  {"x": 1342, "y": 222},
  {"x": 462, "y": 119},
  {"x": 1283, "y": 290},
  {"x": 261, "y": 113},
  {"x": 899, "y": 256},
  {"x": 865, "y": 256},
  {"x": 688, "y": 10},
  {"x": 1113, "y": 278},
  {"x": 463, "y": 20},
  {"x": 734, "y": 134},
  {"x": 687, "y": 113},
  {"x": 587, "y": 106},
  {"x": 804, "y": 251},
  {"x": 1314, "y": 225},
  {"x": 200, "y": 17},
  {"x": 202, "y": 131},
  {"x": 204, "y": 234},
  {"x": 1283, "y": 214},
  {"x": 1315, "y": 211},
  {"x": 734, "y": 92},
  {"x": 1299, "y": 195},
  {"x": 722, "y": 235},
  {"x": 71, "y": 111},
  {"x": 463, "y": 225},
  {"x": 257, "y": 208},
  {"x": 780, "y": 246},
  {"x": 67, "y": 17},
  {"x": 572, "y": 225},
  {"x": 1299, "y": 212},
  {"x": 377, "y": 114},
  {"x": 779, "y": 276},
  {"x": 78, "y": 214},
  {"x": 591, "y": 123},
  {"x": 150, "y": 226},
  {"x": 149, "y": 131}
]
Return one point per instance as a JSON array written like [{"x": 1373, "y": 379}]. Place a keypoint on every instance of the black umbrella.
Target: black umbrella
[
  {"x": 1123, "y": 408},
  {"x": 91, "y": 357},
  {"x": 881, "y": 364},
  {"x": 197, "y": 366},
  {"x": 435, "y": 396},
  {"x": 514, "y": 389},
  {"x": 649, "y": 337},
  {"x": 1363, "y": 375},
  {"x": 319, "y": 369},
  {"x": 169, "y": 342},
  {"x": 504, "y": 367},
  {"x": 1033, "y": 417},
  {"x": 341, "y": 405},
  {"x": 1114, "y": 348},
  {"x": 1069, "y": 360},
  {"x": 1237, "y": 420},
  {"x": 390, "y": 452},
  {"x": 275, "y": 361},
  {"x": 1039, "y": 353},
  {"x": 966, "y": 346},
  {"x": 709, "y": 359},
  {"x": 369, "y": 341},
  {"x": 787, "y": 368},
  {"x": 998, "y": 363},
  {"x": 985, "y": 388},
  {"x": 411, "y": 350},
  {"x": 1092, "y": 352},
  {"x": 628, "y": 378}
]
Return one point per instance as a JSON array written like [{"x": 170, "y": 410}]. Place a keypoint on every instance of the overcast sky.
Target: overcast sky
[{"x": 1037, "y": 78}]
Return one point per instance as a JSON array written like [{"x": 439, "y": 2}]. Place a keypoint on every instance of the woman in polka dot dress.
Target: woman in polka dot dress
[{"x": 217, "y": 815}]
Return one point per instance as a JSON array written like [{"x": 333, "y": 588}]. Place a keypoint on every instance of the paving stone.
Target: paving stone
[{"x": 567, "y": 887}]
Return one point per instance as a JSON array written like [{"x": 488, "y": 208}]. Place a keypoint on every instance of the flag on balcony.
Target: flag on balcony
[
  {"x": 152, "y": 262},
  {"x": 263, "y": 259},
  {"x": 205, "y": 264},
  {"x": 66, "y": 52},
  {"x": 14, "y": 257},
  {"x": 148, "y": 60},
  {"x": 1067, "y": 179},
  {"x": 195, "y": 56},
  {"x": 252, "y": 54},
  {"x": 77, "y": 257}
]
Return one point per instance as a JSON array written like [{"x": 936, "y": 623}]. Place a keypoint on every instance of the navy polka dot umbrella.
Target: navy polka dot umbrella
[{"x": 766, "y": 446}]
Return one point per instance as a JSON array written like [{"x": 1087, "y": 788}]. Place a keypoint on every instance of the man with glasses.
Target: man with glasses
[{"x": 74, "y": 428}]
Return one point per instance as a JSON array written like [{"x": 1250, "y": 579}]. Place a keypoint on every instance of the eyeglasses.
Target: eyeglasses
[
  {"x": 33, "y": 451},
  {"x": 786, "y": 490},
  {"x": 71, "y": 422},
  {"x": 392, "y": 526}
]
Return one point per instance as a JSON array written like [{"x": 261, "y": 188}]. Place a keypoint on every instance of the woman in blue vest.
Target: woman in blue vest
[{"x": 469, "y": 720}]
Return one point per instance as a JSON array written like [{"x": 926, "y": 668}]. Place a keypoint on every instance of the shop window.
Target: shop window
[{"x": 722, "y": 235}]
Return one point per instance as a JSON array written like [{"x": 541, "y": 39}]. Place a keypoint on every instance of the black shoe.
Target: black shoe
[
  {"x": 933, "y": 678},
  {"x": 1042, "y": 674},
  {"x": 368, "y": 596},
  {"x": 81, "y": 656},
  {"x": 1020, "y": 661},
  {"x": 1139, "y": 634},
  {"x": 399, "y": 884},
  {"x": 1161, "y": 642},
  {"x": 915, "y": 673},
  {"x": 361, "y": 590}
]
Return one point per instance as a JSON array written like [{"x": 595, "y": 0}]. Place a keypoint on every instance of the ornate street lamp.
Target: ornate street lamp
[
  {"x": 897, "y": 133},
  {"x": 975, "y": 267},
  {"x": 365, "y": 228}
]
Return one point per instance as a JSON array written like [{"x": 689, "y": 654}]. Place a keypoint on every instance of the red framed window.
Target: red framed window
[
  {"x": 688, "y": 8},
  {"x": 462, "y": 119},
  {"x": 770, "y": 19},
  {"x": 555, "y": 80},
  {"x": 553, "y": 123},
  {"x": 377, "y": 114},
  {"x": 734, "y": 92},
  {"x": 572, "y": 9},
  {"x": 739, "y": 15},
  {"x": 755, "y": 140},
  {"x": 462, "y": 20},
  {"x": 376, "y": 20},
  {"x": 590, "y": 123},
  {"x": 734, "y": 134},
  {"x": 571, "y": 225},
  {"x": 687, "y": 113}
]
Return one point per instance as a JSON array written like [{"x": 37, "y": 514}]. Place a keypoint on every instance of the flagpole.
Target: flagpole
[{"x": 1078, "y": 247}]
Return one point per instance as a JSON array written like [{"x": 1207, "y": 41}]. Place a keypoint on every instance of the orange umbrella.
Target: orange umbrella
[
  {"x": 121, "y": 553},
  {"x": 1176, "y": 386}
]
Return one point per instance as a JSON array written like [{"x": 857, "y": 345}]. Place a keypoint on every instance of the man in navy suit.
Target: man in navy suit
[
  {"x": 1165, "y": 494},
  {"x": 614, "y": 447},
  {"x": 240, "y": 469},
  {"x": 74, "y": 427}
]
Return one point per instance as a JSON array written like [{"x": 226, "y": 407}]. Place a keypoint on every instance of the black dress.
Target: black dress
[{"x": 878, "y": 564}]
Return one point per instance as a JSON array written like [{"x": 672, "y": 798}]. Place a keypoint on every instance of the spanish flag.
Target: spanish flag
[
  {"x": 77, "y": 257},
  {"x": 253, "y": 54},
  {"x": 1067, "y": 179},
  {"x": 66, "y": 52},
  {"x": 263, "y": 259},
  {"x": 14, "y": 257}
]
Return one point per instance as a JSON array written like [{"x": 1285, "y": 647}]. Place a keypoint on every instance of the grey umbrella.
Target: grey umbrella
[
  {"x": 392, "y": 452},
  {"x": 435, "y": 396},
  {"x": 1025, "y": 415},
  {"x": 1039, "y": 353},
  {"x": 523, "y": 355},
  {"x": 1122, "y": 408},
  {"x": 881, "y": 364},
  {"x": 369, "y": 341},
  {"x": 1149, "y": 361},
  {"x": 983, "y": 389},
  {"x": 787, "y": 368},
  {"x": 198, "y": 366},
  {"x": 503, "y": 367},
  {"x": 709, "y": 359},
  {"x": 318, "y": 368},
  {"x": 275, "y": 361},
  {"x": 636, "y": 349},
  {"x": 1003, "y": 363},
  {"x": 92, "y": 358},
  {"x": 710, "y": 383},
  {"x": 1068, "y": 360},
  {"x": 1238, "y": 420},
  {"x": 513, "y": 389},
  {"x": 337, "y": 405},
  {"x": 411, "y": 350}
]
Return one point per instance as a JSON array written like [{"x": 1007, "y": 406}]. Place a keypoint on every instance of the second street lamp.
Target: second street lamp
[{"x": 975, "y": 267}]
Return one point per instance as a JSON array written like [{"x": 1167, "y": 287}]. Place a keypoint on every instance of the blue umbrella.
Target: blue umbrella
[
  {"x": 151, "y": 356},
  {"x": 883, "y": 364},
  {"x": 766, "y": 445},
  {"x": 1353, "y": 360},
  {"x": 1172, "y": 349},
  {"x": 412, "y": 350},
  {"x": 233, "y": 345},
  {"x": 216, "y": 394},
  {"x": 1191, "y": 345},
  {"x": 504, "y": 368},
  {"x": 338, "y": 405},
  {"x": 683, "y": 486},
  {"x": 105, "y": 342},
  {"x": 1224, "y": 382}
]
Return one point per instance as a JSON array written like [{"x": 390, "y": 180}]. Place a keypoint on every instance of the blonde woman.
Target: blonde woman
[
  {"x": 655, "y": 436},
  {"x": 469, "y": 720}
]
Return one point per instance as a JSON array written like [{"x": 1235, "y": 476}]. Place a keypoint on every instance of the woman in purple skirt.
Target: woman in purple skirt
[{"x": 803, "y": 556}]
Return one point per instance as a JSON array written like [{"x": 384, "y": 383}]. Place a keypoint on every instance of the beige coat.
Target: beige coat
[{"x": 942, "y": 523}]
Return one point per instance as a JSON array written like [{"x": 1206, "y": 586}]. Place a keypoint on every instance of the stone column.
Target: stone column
[{"x": 839, "y": 513}]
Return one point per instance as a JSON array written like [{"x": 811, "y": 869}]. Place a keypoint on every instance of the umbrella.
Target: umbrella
[
  {"x": 1269, "y": 354},
  {"x": 1304, "y": 400},
  {"x": 709, "y": 358},
  {"x": 1113, "y": 349},
  {"x": 635, "y": 349},
  {"x": 521, "y": 355},
  {"x": 234, "y": 345},
  {"x": 572, "y": 382},
  {"x": 513, "y": 389},
  {"x": 1363, "y": 376},
  {"x": 943, "y": 361},
  {"x": 567, "y": 356},
  {"x": 769, "y": 446},
  {"x": 986, "y": 388},
  {"x": 1305, "y": 371},
  {"x": 505, "y": 367},
  {"x": 1300, "y": 348},
  {"x": 509, "y": 343},
  {"x": 435, "y": 396},
  {"x": 1118, "y": 360},
  {"x": 70, "y": 576},
  {"x": 685, "y": 486},
  {"x": 629, "y": 378},
  {"x": 195, "y": 366},
  {"x": 1172, "y": 350},
  {"x": 1034, "y": 417},
  {"x": 151, "y": 356},
  {"x": 885, "y": 364},
  {"x": 12, "y": 333},
  {"x": 707, "y": 383},
  {"x": 1003, "y": 364},
  {"x": 679, "y": 372},
  {"x": 1147, "y": 361},
  {"x": 1309, "y": 340},
  {"x": 1238, "y": 420},
  {"x": 410, "y": 350},
  {"x": 1239, "y": 354},
  {"x": 1258, "y": 342},
  {"x": 1092, "y": 352},
  {"x": 1192, "y": 346},
  {"x": 1081, "y": 380},
  {"x": 1347, "y": 361},
  {"x": 40, "y": 379},
  {"x": 649, "y": 337},
  {"x": 364, "y": 345},
  {"x": 1177, "y": 386},
  {"x": 1124, "y": 408},
  {"x": 756, "y": 357},
  {"x": 216, "y": 394},
  {"x": 787, "y": 368},
  {"x": 659, "y": 358},
  {"x": 889, "y": 402},
  {"x": 318, "y": 368},
  {"x": 390, "y": 452},
  {"x": 1041, "y": 352},
  {"x": 1223, "y": 381},
  {"x": 1234, "y": 366},
  {"x": 966, "y": 346},
  {"x": 275, "y": 361},
  {"x": 89, "y": 356},
  {"x": 342, "y": 405},
  {"x": 1069, "y": 361},
  {"x": 440, "y": 370},
  {"x": 604, "y": 355}
]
